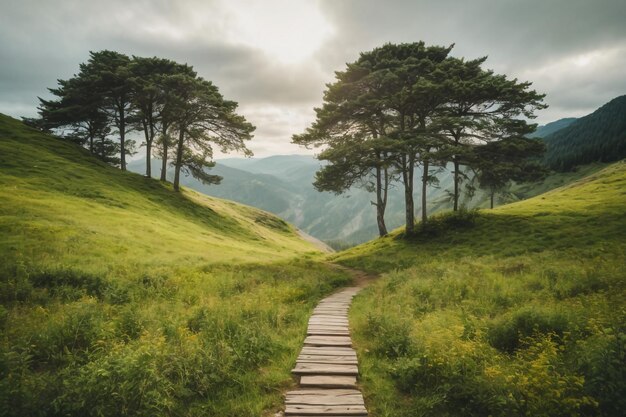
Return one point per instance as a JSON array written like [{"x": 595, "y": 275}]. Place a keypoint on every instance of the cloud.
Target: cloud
[{"x": 274, "y": 57}]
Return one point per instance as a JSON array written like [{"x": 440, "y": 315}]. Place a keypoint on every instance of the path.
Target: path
[{"x": 327, "y": 365}]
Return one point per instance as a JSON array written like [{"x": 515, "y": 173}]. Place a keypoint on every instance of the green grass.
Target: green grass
[
  {"x": 507, "y": 312},
  {"x": 120, "y": 297}
]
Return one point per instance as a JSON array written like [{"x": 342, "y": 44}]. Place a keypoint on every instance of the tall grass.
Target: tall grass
[
  {"x": 519, "y": 312},
  {"x": 119, "y": 297}
]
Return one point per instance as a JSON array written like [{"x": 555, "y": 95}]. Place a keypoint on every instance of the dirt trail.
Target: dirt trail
[{"x": 361, "y": 278}]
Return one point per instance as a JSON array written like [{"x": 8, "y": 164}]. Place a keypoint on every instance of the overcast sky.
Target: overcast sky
[{"x": 275, "y": 56}]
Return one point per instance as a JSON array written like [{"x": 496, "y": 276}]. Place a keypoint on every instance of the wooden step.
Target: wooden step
[
  {"x": 324, "y": 397},
  {"x": 327, "y": 381},
  {"x": 328, "y": 341},
  {"x": 311, "y": 368},
  {"x": 325, "y": 410},
  {"x": 340, "y": 359},
  {"x": 327, "y": 350}
]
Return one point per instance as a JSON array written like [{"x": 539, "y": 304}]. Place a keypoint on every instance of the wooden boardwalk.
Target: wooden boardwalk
[{"x": 327, "y": 365}]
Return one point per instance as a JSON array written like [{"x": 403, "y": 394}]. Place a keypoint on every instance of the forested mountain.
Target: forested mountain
[
  {"x": 548, "y": 129},
  {"x": 599, "y": 136}
]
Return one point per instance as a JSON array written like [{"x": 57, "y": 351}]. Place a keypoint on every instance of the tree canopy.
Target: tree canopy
[
  {"x": 113, "y": 95},
  {"x": 400, "y": 107}
]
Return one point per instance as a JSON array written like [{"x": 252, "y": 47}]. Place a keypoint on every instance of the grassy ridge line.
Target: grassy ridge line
[
  {"x": 75, "y": 207},
  {"x": 513, "y": 311},
  {"x": 120, "y": 297}
]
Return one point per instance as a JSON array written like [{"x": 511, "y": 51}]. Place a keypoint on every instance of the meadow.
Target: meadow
[
  {"x": 120, "y": 297},
  {"x": 518, "y": 310}
]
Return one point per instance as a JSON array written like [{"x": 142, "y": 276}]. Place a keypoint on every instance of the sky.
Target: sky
[{"x": 274, "y": 57}]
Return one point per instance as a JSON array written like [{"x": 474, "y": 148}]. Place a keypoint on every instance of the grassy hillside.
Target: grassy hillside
[
  {"x": 120, "y": 297},
  {"x": 507, "y": 312}
]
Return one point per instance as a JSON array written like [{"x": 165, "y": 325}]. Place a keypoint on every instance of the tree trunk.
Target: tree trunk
[
  {"x": 409, "y": 206},
  {"x": 381, "y": 202},
  {"x": 146, "y": 135},
  {"x": 179, "y": 159},
  {"x": 424, "y": 189},
  {"x": 456, "y": 183},
  {"x": 148, "y": 159},
  {"x": 91, "y": 143},
  {"x": 492, "y": 194},
  {"x": 122, "y": 136},
  {"x": 149, "y": 142},
  {"x": 165, "y": 148}
]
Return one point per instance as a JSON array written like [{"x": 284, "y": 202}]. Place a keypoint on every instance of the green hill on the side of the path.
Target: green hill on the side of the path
[
  {"x": 514, "y": 311},
  {"x": 120, "y": 297}
]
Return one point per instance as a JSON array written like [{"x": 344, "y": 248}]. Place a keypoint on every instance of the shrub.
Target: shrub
[
  {"x": 129, "y": 324},
  {"x": 391, "y": 336},
  {"x": 508, "y": 333},
  {"x": 57, "y": 280},
  {"x": 15, "y": 285},
  {"x": 601, "y": 359},
  {"x": 70, "y": 335}
]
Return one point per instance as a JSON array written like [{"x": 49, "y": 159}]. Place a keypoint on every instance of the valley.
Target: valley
[{"x": 112, "y": 278}]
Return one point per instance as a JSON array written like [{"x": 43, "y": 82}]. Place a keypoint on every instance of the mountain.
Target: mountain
[
  {"x": 597, "y": 137},
  {"x": 282, "y": 184},
  {"x": 513, "y": 311},
  {"x": 545, "y": 130},
  {"x": 121, "y": 297}
]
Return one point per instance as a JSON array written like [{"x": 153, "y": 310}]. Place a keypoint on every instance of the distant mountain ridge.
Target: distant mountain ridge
[
  {"x": 597, "y": 137},
  {"x": 282, "y": 184},
  {"x": 549, "y": 128}
]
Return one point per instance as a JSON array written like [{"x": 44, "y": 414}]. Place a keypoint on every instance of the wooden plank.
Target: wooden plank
[
  {"x": 332, "y": 311},
  {"x": 329, "y": 321},
  {"x": 314, "y": 332},
  {"x": 313, "y": 357},
  {"x": 339, "y": 360},
  {"x": 328, "y": 317},
  {"x": 328, "y": 341},
  {"x": 324, "y": 369},
  {"x": 328, "y": 381},
  {"x": 322, "y": 326},
  {"x": 327, "y": 327},
  {"x": 332, "y": 350},
  {"x": 320, "y": 410},
  {"x": 355, "y": 399},
  {"x": 313, "y": 391},
  {"x": 333, "y": 305}
]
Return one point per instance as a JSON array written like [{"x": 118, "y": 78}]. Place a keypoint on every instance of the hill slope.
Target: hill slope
[
  {"x": 121, "y": 297},
  {"x": 597, "y": 137},
  {"x": 512, "y": 311}
]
